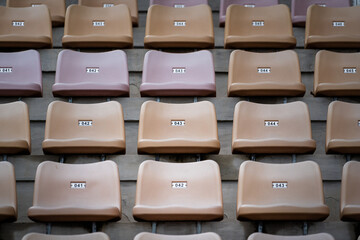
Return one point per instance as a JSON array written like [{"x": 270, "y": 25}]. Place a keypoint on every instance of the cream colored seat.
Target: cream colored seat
[
  {"x": 263, "y": 236},
  {"x": 91, "y": 236},
  {"x": 350, "y": 192},
  {"x": 8, "y": 197},
  {"x": 151, "y": 236}
]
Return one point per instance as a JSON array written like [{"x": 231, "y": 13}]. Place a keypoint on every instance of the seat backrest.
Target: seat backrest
[
  {"x": 299, "y": 7},
  {"x": 350, "y": 192},
  {"x": 202, "y": 236},
  {"x": 8, "y": 197},
  {"x": 264, "y": 236},
  {"x": 90, "y": 236},
  {"x": 178, "y": 3}
]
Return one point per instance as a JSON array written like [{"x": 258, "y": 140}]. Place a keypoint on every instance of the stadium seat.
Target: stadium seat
[
  {"x": 91, "y": 74},
  {"x": 283, "y": 192},
  {"x": 265, "y": 74},
  {"x": 20, "y": 74},
  {"x": 14, "y": 128},
  {"x": 178, "y": 74},
  {"x": 132, "y": 5},
  {"x": 178, "y": 3},
  {"x": 272, "y": 128},
  {"x": 350, "y": 192},
  {"x": 260, "y": 27},
  {"x": 343, "y": 128},
  {"x": 8, "y": 198},
  {"x": 28, "y": 27},
  {"x": 84, "y": 128},
  {"x": 263, "y": 236},
  {"x": 76, "y": 192},
  {"x": 151, "y": 236},
  {"x": 178, "y": 192},
  {"x": 91, "y": 27},
  {"x": 169, "y": 27},
  {"x": 246, "y": 3},
  {"x": 332, "y": 27},
  {"x": 56, "y": 8},
  {"x": 178, "y": 128},
  {"x": 336, "y": 74},
  {"x": 90, "y": 236}
]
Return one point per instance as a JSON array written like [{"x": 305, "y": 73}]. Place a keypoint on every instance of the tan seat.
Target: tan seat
[
  {"x": 169, "y": 27},
  {"x": 272, "y": 128},
  {"x": 8, "y": 198},
  {"x": 28, "y": 27},
  {"x": 285, "y": 192},
  {"x": 350, "y": 192},
  {"x": 265, "y": 74},
  {"x": 132, "y": 5},
  {"x": 84, "y": 128},
  {"x": 337, "y": 74},
  {"x": 332, "y": 27},
  {"x": 178, "y": 192},
  {"x": 263, "y": 236},
  {"x": 15, "y": 135},
  {"x": 76, "y": 192},
  {"x": 343, "y": 128},
  {"x": 202, "y": 236},
  {"x": 91, "y": 27},
  {"x": 178, "y": 128},
  {"x": 90, "y": 236},
  {"x": 56, "y": 7},
  {"x": 259, "y": 27}
]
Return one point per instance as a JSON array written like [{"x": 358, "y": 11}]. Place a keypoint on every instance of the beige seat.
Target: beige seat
[
  {"x": 272, "y": 128},
  {"x": 280, "y": 192},
  {"x": 265, "y": 74},
  {"x": 91, "y": 27},
  {"x": 332, "y": 27},
  {"x": 84, "y": 128},
  {"x": 91, "y": 236},
  {"x": 178, "y": 128},
  {"x": 132, "y": 5},
  {"x": 350, "y": 192},
  {"x": 259, "y": 27},
  {"x": 14, "y": 128},
  {"x": 151, "y": 236},
  {"x": 178, "y": 192},
  {"x": 263, "y": 236},
  {"x": 337, "y": 74},
  {"x": 343, "y": 128},
  {"x": 8, "y": 198},
  {"x": 169, "y": 27},
  {"x": 56, "y": 7},
  {"x": 76, "y": 192},
  {"x": 28, "y": 27}
]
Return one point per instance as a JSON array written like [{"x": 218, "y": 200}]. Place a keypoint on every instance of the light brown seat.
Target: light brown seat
[
  {"x": 263, "y": 236},
  {"x": 28, "y": 27},
  {"x": 332, "y": 27},
  {"x": 337, "y": 74},
  {"x": 8, "y": 198},
  {"x": 84, "y": 128},
  {"x": 259, "y": 27},
  {"x": 265, "y": 74},
  {"x": 350, "y": 192},
  {"x": 284, "y": 192},
  {"x": 91, "y": 27},
  {"x": 178, "y": 128},
  {"x": 90, "y": 236},
  {"x": 272, "y": 128},
  {"x": 14, "y": 128},
  {"x": 178, "y": 192},
  {"x": 76, "y": 192},
  {"x": 343, "y": 128},
  {"x": 169, "y": 27},
  {"x": 132, "y": 5},
  {"x": 202, "y": 236}
]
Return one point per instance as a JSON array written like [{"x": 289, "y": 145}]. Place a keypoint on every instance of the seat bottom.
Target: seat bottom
[
  {"x": 7, "y": 214},
  {"x": 177, "y": 89},
  {"x": 260, "y": 41},
  {"x": 95, "y": 41},
  {"x": 343, "y": 146},
  {"x": 90, "y": 90},
  {"x": 337, "y": 89},
  {"x": 178, "y": 41},
  {"x": 263, "y": 236},
  {"x": 266, "y": 89},
  {"x": 337, "y": 41},
  {"x": 90, "y": 236},
  {"x": 152, "y": 236},
  {"x": 350, "y": 213}
]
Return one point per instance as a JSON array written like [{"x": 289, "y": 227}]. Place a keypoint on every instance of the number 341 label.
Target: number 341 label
[{"x": 78, "y": 185}]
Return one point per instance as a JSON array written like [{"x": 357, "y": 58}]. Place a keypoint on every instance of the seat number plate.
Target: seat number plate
[
  {"x": 78, "y": 185},
  {"x": 18, "y": 23},
  {"x": 179, "y": 70},
  {"x": 92, "y": 70},
  {"x": 179, "y": 23},
  {"x": 106, "y": 5},
  {"x": 179, "y": 185},
  {"x": 349, "y": 70},
  {"x": 258, "y": 23},
  {"x": 359, "y": 123},
  {"x": 279, "y": 185},
  {"x": 36, "y": 4},
  {"x": 264, "y": 70},
  {"x": 5, "y": 70},
  {"x": 249, "y": 5},
  {"x": 177, "y": 123},
  {"x": 321, "y": 4},
  {"x": 338, "y": 24},
  {"x": 271, "y": 123},
  {"x": 179, "y": 5},
  {"x": 98, "y": 23},
  {"x": 85, "y": 123}
]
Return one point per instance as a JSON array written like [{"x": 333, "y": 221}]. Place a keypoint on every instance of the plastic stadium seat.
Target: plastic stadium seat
[
  {"x": 350, "y": 192},
  {"x": 84, "y": 128},
  {"x": 132, "y": 5},
  {"x": 28, "y": 27},
  {"x": 14, "y": 128},
  {"x": 92, "y": 27},
  {"x": 337, "y": 74},
  {"x": 343, "y": 128},
  {"x": 90, "y": 236},
  {"x": 169, "y": 27},
  {"x": 76, "y": 192},
  {"x": 263, "y": 236},
  {"x": 178, "y": 128},
  {"x": 332, "y": 27},
  {"x": 246, "y": 3},
  {"x": 260, "y": 27},
  {"x": 91, "y": 74},
  {"x": 56, "y": 8},
  {"x": 285, "y": 192},
  {"x": 299, "y": 8},
  {"x": 178, "y": 74},
  {"x": 20, "y": 74},
  {"x": 178, "y": 192},
  {"x": 265, "y": 74},
  {"x": 151, "y": 236},
  {"x": 178, "y": 3},
  {"x": 8, "y": 198}
]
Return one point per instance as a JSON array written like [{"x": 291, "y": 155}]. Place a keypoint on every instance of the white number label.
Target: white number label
[
  {"x": 92, "y": 70},
  {"x": 179, "y": 184},
  {"x": 338, "y": 24},
  {"x": 5, "y": 70},
  {"x": 35, "y": 4},
  {"x": 179, "y": 70},
  {"x": 179, "y": 5},
  {"x": 359, "y": 123},
  {"x": 349, "y": 70},
  {"x": 179, "y": 23},
  {"x": 271, "y": 123},
  {"x": 85, "y": 123},
  {"x": 249, "y": 5},
  {"x": 280, "y": 185},
  {"x": 98, "y": 23},
  {"x": 18, "y": 23},
  {"x": 78, "y": 185},
  {"x": 258, "y": 23},
  {"x": 106, "y": 5},
  {"x": 177, "y": 123},
  {"x": 321, "y": 4},
  {"x": 264, "y": 70}
]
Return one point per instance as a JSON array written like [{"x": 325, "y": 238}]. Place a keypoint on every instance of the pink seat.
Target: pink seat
[
  {"x": 91, "y": 74},
  {"x": 178, "y": 74},
  {"x": 20, "y": 74},
  {"x": 8, "y": 197},
  {"x": 178, "y": 3}
]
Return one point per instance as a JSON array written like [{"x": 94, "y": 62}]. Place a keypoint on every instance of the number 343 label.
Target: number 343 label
[{"x": 279, "y": 185}]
